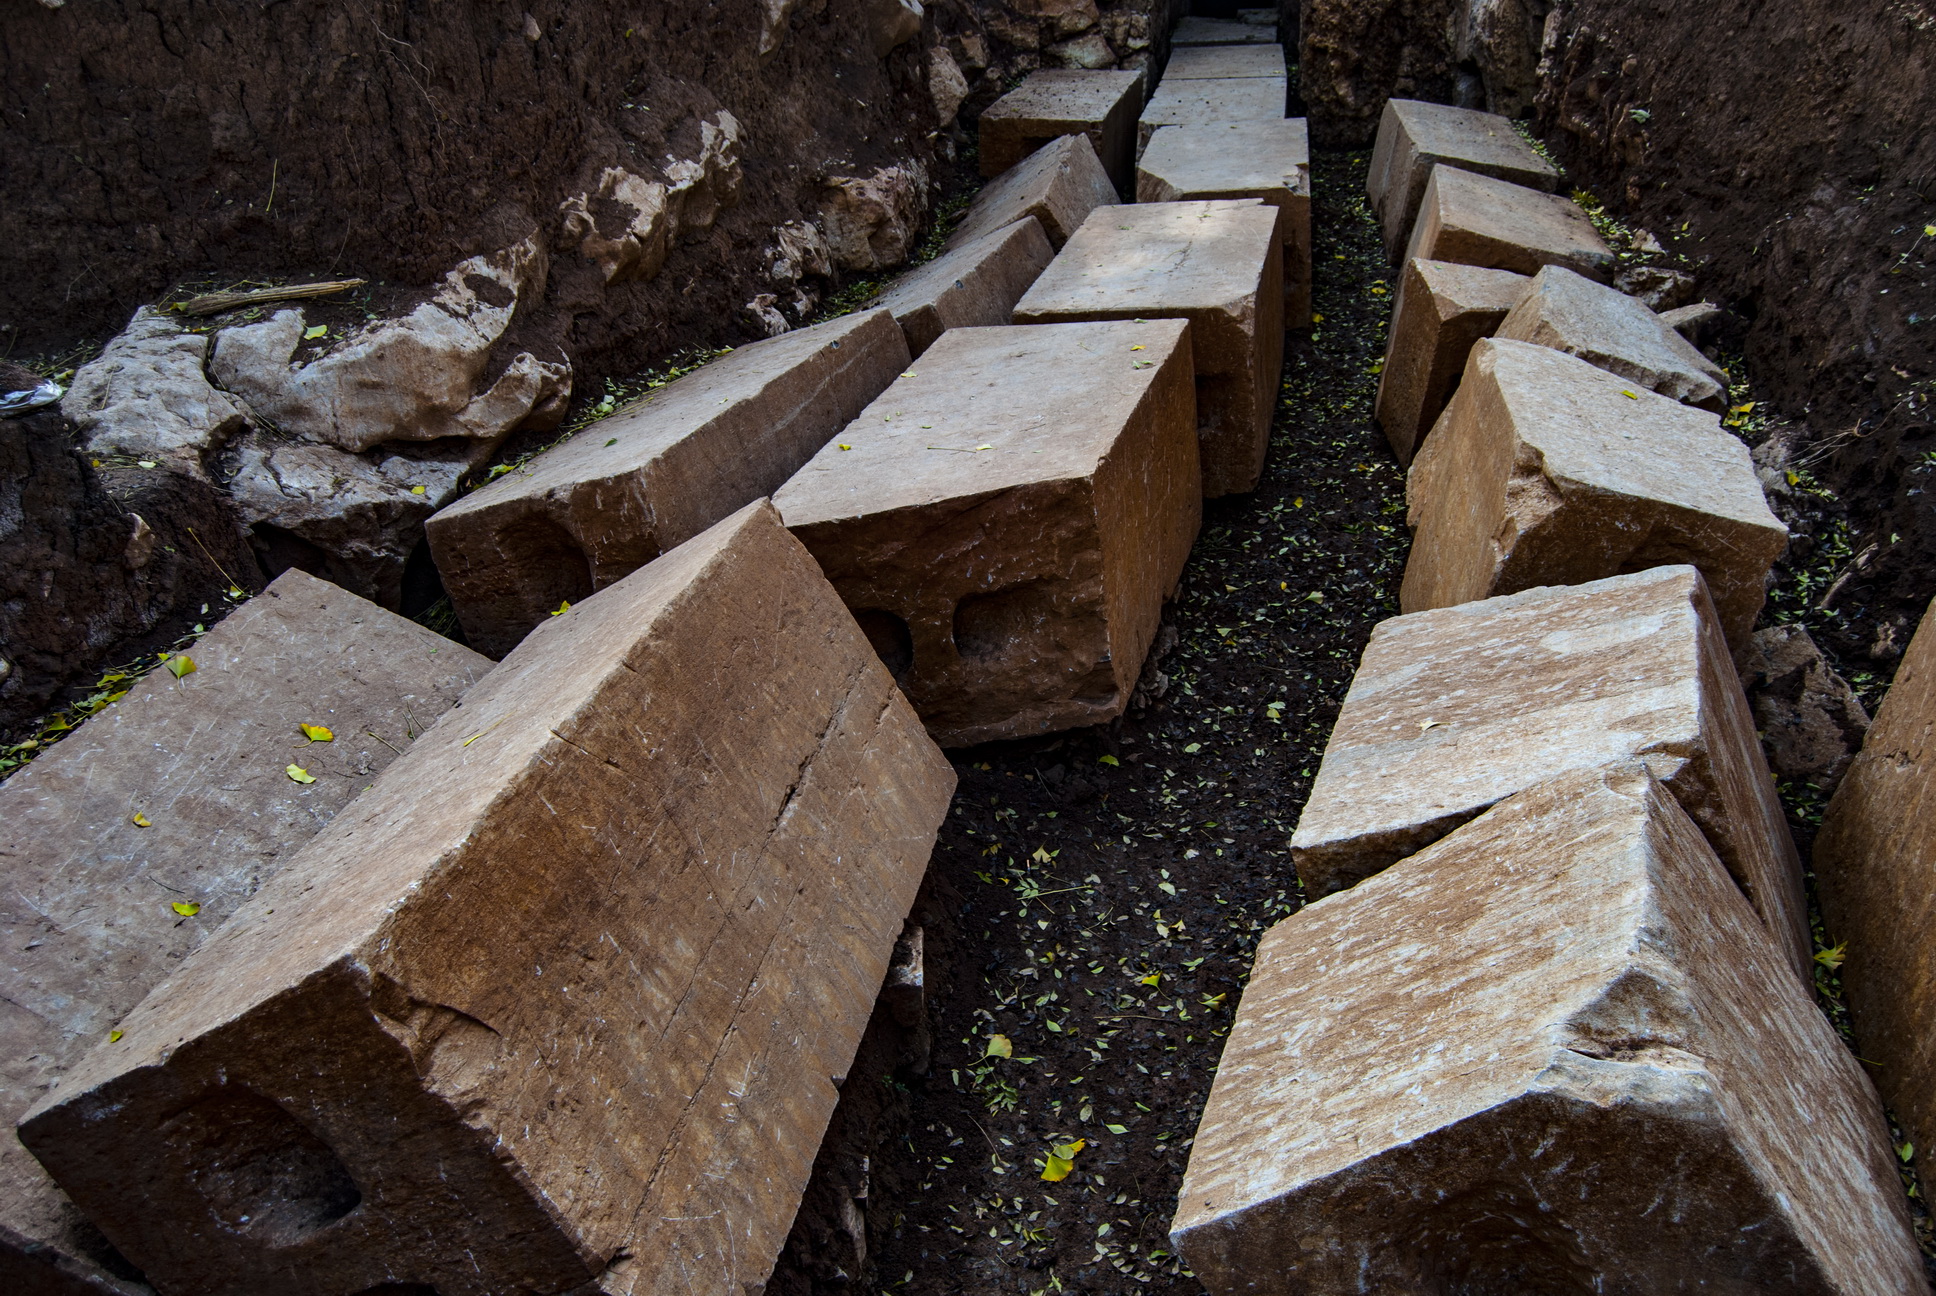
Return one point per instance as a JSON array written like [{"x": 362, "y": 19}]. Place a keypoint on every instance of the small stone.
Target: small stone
[
  {"x": 1698, "y": 323},
  {"x": 1089, "y": 51},
  {"x": 1545, "y": 470},
  {"x": 1555, "y": 1051},
  {"x": 1612, "y": 331},
  {"x": 1811, "y": 722},
  {"x": 1218, "y": 62},
  {"x": 148, "y": 395},
  {"x": 1657, "y": 287},
  {"x": 894, "y": 23},
  {"x": 1194, "y": 30},
  {"x": 1476, "y": 220},
  {"x": 1196, "y": 103},
  {"x": 872, "y": 222},
  {"x": 1052, "y": 103},
  {"x": 947, "y": 84},
  {"x": 1442, "y": 310},
  {"x": 1059, "y": 184},
  {"x": 1414, "y": 137},
  {"x": 976, "y": 284}
]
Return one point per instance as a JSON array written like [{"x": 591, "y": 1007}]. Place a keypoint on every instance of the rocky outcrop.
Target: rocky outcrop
[
  {"x": 871, "y": 222},
  {"x": 634, "y": 246},
  {"x": 147, "y": 396}
]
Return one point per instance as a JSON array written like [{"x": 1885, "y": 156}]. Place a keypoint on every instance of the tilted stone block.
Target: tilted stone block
[
  {"x": 1196, "y": 103},
  {"x": 1545, "y": 470},
  {"x": 1606, "y": 328},
  {"x": 1217, "y": 264},
  {"x": 1442, "y": 310},
  {"x": 1006, "y": 521},
  {"x": 1553, "y": 1052},
  {"x": 563, "y": 999},
  {"x": 586, "y": 514},
  {"x": 1266, "y": 160},
  {"x": 1414, "y": 137},
  {"x": 1194, "y": 30},
  {"x": 1059, "y": 184},
  {"x": 1476, "y": 220},
  {"x": 1215, "y": 62},
  {"x": 179, "y": 793},
  {"x": 976, "y": 284},
  {"x": 1454, "y": 710},
  {"x": 1051, "y": 103}
]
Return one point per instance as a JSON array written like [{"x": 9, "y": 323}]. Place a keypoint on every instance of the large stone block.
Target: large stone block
[
  {"x": 1196, "y": 103},
  {"x": 1007, "y": 520},
  {"x": 1605, "y": 327},
  {"x": 1414, "y": 137},
  {"x": 1196, "y": 30},
  {"x": 1215, "y": 62},
  {"x": 1476, "y": 220},
  {"x": 1059, "y": 184},
  {"x": 1217, "y": 264},
  {"x": 1442, "y": 310},
  {"x": 178, "y": 794},
  {"x": 1875, "y": 875},
  {"x": 976, "y": 284},
  {"x": 1553, "y": 1052},
  {"x": 590, "y": 512},
  {"x": 562, "y": 1002},
  {"x": 1545, "y": 470},
  {"x": 1454, "y": 710},
  {"x": 1052, "y": 103},
  {"x": 1266, "y": 160}
]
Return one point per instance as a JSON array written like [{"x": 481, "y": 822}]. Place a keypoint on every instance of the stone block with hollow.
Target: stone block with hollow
[
  {"x": 181, "y": 793},
  {"x": 1545, "y": 470},
  {"x": 563, "y": 1001},
  {"x": 1454, "y": 710},
  {"x": 1218, "y": 264},
  {"x": 1414, "y": 137},
  {"x": 1217, "y": 62},
  {"x": 1476, "y": 220},
  {"x": 1266, "y": 160},
  {"x": 978, "y": 283},
  {"x": 1194, "y": 103},
  {"x": 1442, "y": 311},
  {"x": 1059, "y": 184},
  {"x": 1057, "y": 102},
  {"x": 1007, "y": 520},
  {"x": 584, "y": 515},
  {"x": 1552, "y": 1052}
]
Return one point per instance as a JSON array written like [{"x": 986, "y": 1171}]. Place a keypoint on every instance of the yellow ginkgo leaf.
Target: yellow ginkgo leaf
[
  {"x": 114, "y": 1037},
  {"x": 298, "y": 774},
  {"x": 140, "y": 820},
  {"x": 1138, "y": 347},
  {"x": 186, "y": 908},
  {"x": 418, "y": 490},
  {"x": 1056, "y": 1169},
  {"x": 999, "y": 1046},
  {"x": 839, "y": 446},
  {"x": 180, "y": 664},
  {"x": 317, "y": 733},
  {"x": 1152, "y": 979},
  {"x": 563, "y": 608},
  {"x": 1631, "y": 395}
]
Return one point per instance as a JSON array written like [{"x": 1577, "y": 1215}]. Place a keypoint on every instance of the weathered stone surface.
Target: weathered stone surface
[
  {"x": 1414, "y": 137},
  {"x": 1442, "y": 310},
  {"x": 1811, "y": 721},
  {"x": 1456, "y": 709},
  {"x": 1059, "y": 184},
  {"x": 586, "y": 514},
  {"x": 1545, "y": 470},
  {"x": 87, "y": 919},
  {"x": 1553, "y": 1052},
  {"x": 1052, "y": 103},
  {"x": 1216, "y": 62},
  {"x": 977, "y": 283},
  {"x": 1266, "y": 160},
  {"x": 562, "y": 998},
  {"x": 148, "y": 395},
  {"x": 628, "y": 224},
  {"x": 893, "y": 22},
  {"x": 871, "y": 222},
  {"x": 1609, "y": 329},
  {"x": 947, "y": 84},
  {"x": 1194, "y": 30},
  {"x": 1006, "y": 521},
  {"x": 1476, "y": 220},
  {"x": 1218, "y": 264},
  {"x": 1195, "y": 103}
]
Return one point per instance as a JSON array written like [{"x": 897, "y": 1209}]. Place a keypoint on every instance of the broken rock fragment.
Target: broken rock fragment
[
  {"x": 1197, "y": 103},
  {"x": 1414, "y": 137},
  {"x": 976, "y": 283},
  {"x": 1442, "y": 310},
  {"x": 1007, "y": 519},
  {"x": 148, "y": 395},
  {"x": 1456, "y": 709},
  {"x": 1545, "y": 470},
  {"x": 563, "y": 997},
  {"x": 1554, "y": 1051},
  {"x": 1476, "y": 220},
  {"x": 871, "y": 222},
  {"x": 1811, "y": 721},
  {"x": 1059, "y": 184},
  {"x": 1051, "y": 103}
]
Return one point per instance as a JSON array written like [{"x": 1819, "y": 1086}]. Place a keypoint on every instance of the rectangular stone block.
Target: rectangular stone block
[
  {"x": 1442, "y": 310},
  {"x": 1476, "y": 220},
  {"x": 1553, "y": 1052},
  {"x": 1217, "y": 264},
  {"x": 1608, "y": 329},
  {"x": 1197, "y": 103},
  {"x": 179, "y": 794},
  {"x": 1414, "y": 137},
  {"x": 1059, "y": 184},
  {"x": 1266, "y": 160},
  {"x": 586, "y": 514},
  {"x": 1006, "y": 520},
  {"x": 976, "y": 284},
  {"x": 1454, "y": 710},
  {"x": 1214, "y": 62},
  {"x": 1056, "y": 102},
  {"x": 1875, "y": 876},
  {"x": 1545, "y": 470},
  {"x": 562, "y": 1002},
  {"x": 1195, "y": 30}
]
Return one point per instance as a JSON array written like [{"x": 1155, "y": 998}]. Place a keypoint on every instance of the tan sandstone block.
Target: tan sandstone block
[
  {"x": 1217, "y": 264},
  {"x": 586, "y": 514},
  {"x": 1059, "y": 184},
  {"x": 1553, "y": 1052},
  {"x": 1006, "y": 520},
  {"x": 1054, "y": 102},
  {"x": 1875, "y": 875},
  {"x": 1545, "y": 470},
  {"x": 1196, "y": 30},
  {"x": 1266, "y": 160},
  {"x": 1197, "y": 103},
  {"x": 1608, "y": 329},
  {"x": 564, "y": 998},
  {"x": 1215, "y": 62},
  {"x": 87, "y": 919},
  {"x": 976, "y": 284},
  {"x": 1456, "y": 709},
  {"x": 1414, "y": 137},
  {"x": 1442, "y": 310},
  {"x": 1476, "y": 220}
]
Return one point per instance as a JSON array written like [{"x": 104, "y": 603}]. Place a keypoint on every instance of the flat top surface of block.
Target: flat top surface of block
[
  {"x": 1145, "y": 257},
  {"x": 1065, "y": 96},
  {"x": 1456, "y": 289},
  {"x": 1194, "y": 30},
  {"x": 1184, "y": 103},
  {"x": 1545, "y": 226},
  {"x": 1059, "y": 184},
  {"x": 1612, "y": 331},
  {"x": 984, "y": 410},
  {"x": 1196, "y": 62},
  {"x": 1230, "y": 157},
  {"x": 1440, "y": 131}
]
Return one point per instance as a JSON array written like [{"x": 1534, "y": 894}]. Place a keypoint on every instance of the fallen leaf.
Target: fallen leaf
[
  {"x": 1423, "y": 725},
  {"x": 1138, "y": 347},
  {"x": 297, "y": 774},
  {"x": 186, "y": 908},
  {"x": 1832, "y": 958},
  {"x": 317, "y": 733},
  {"x": 140, "y": 820},
  {"x": 612, "y": 442},
  {"x": 315, "y": 331},
  {"x": 1150, "y": 980},
  {"x": 842, "y": 447},
  {"x": 563, "y": 608},
  {"x": 147, "y": 463},
  {"x": 1109, "y": 760},
  {"x": 999, "y": 1046},
  {"x": 1630, "y": 395},
  {"x": 418, "y": 490},
  {"x": 1742, "y": 409},
  {"x": 114, "y": 1037},
  {"x": 1057, "y": 1169},
  {"x": 1906, "y": 1151},
  {"x": 1191, "y": 749},
  {"x": 180, "y": 664},
  {"x": 1117, "y": 1129},
  {"x": 910, "y": 374}
]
